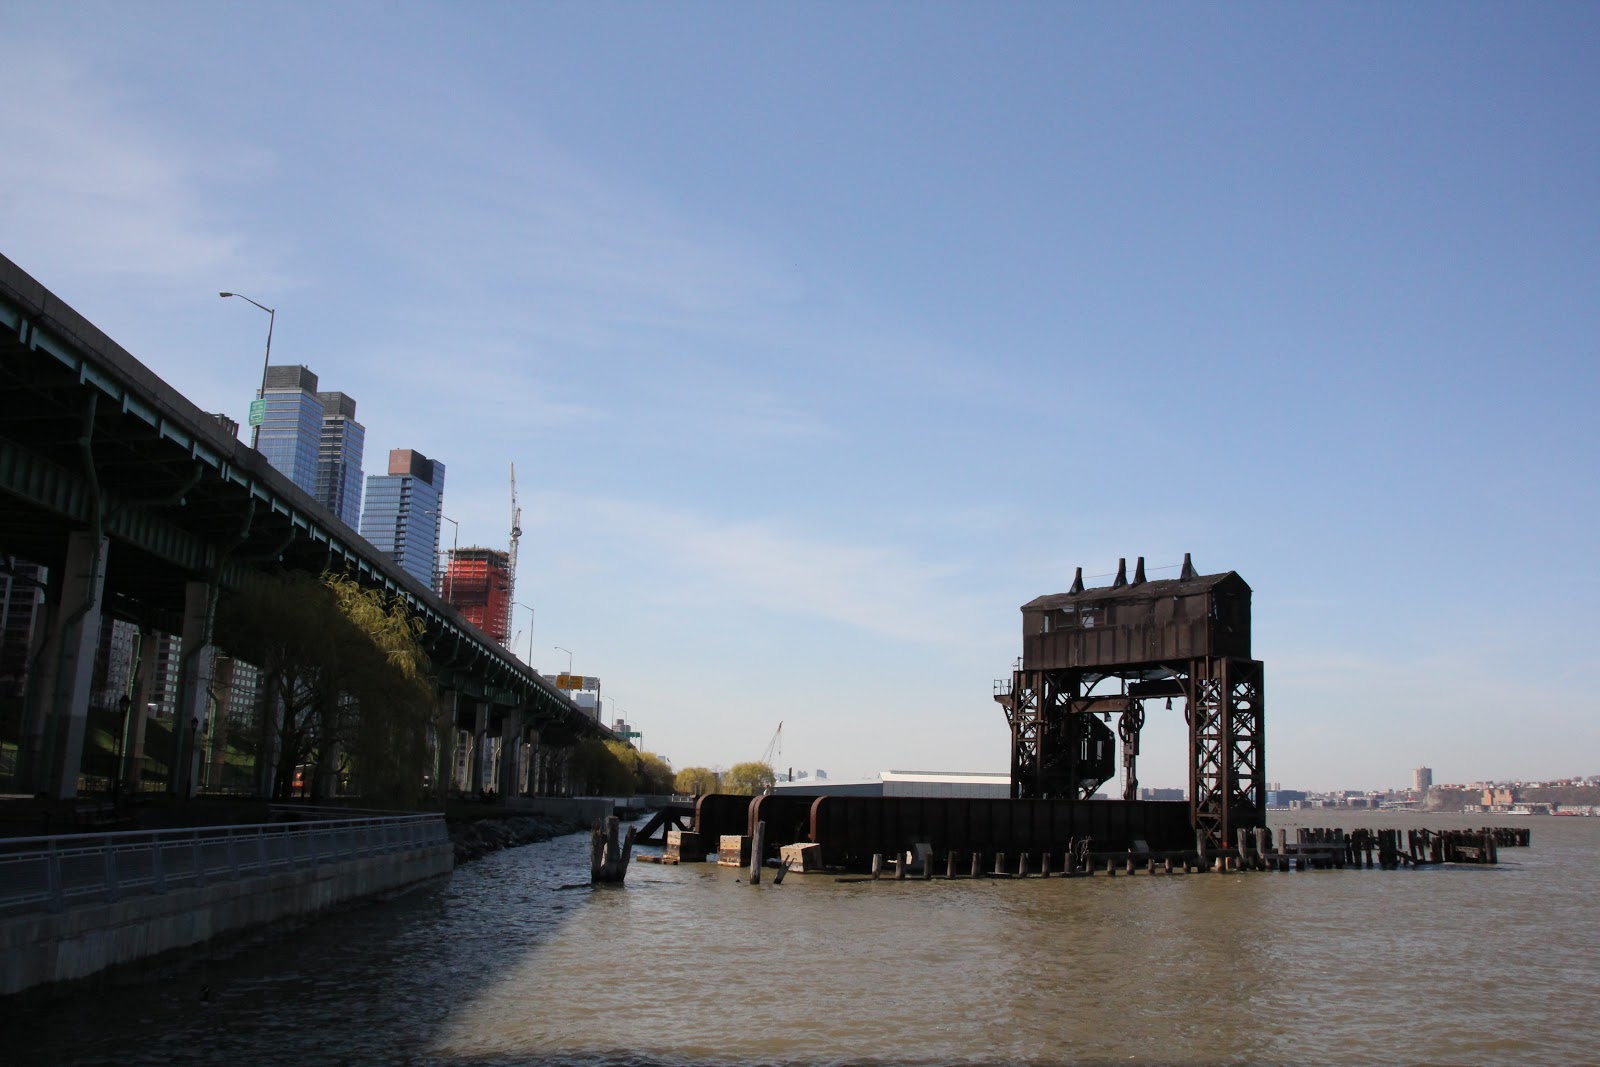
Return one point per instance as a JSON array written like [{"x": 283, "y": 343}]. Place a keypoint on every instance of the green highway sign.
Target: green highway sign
[{"x": 258, "y": 412}]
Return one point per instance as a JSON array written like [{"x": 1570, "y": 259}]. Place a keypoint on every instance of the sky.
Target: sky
[{"x": 824, "y": 336}]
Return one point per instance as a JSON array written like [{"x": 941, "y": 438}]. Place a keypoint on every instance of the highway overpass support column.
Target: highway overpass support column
[
  {"x": 194, "y": 687},
  {"x": 445, "y": 738},
  {"x": 60, "y": 703},
  {"x": 480, "y": 734},
  {"x": 530, "y": 765},
  {"x": 139, "y": 710},
  {"x": 510, "y": 782}
]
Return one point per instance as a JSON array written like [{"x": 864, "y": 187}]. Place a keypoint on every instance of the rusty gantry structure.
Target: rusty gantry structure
[{"x": 1090, "y": 654}]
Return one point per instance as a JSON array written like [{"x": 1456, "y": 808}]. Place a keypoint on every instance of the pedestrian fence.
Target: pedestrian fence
[{"x": 50, "y": 874}]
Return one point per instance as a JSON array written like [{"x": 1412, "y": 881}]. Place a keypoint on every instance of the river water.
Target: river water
[{"x": 514, "y": 959}]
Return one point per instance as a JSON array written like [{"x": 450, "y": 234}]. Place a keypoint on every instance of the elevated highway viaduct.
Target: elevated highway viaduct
[{"x": 139, "y": 506}]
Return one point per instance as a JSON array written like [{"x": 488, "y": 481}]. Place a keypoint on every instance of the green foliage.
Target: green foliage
[
  {"x": 751, "y": 778},
  {"x": 345, "y": 678},
  {"x": 654, "y": 776},
  {"x": 597, "y": 769},
  {"x": 612, "y": 768},
  {"x": 695, "y": 781}
]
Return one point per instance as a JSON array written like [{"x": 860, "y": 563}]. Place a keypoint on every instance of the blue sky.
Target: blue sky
[{"x": 824, "y": 336}]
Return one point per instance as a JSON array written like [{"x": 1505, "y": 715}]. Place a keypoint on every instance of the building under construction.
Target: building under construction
[{"x": 477, "y": 583}]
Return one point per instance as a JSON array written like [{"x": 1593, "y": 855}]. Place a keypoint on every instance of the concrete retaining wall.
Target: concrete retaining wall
[
  {"x": 586, "y": 810},
  {"x": 39, "y": 949}
]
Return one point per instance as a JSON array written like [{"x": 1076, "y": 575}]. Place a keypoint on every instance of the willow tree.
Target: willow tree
[
  {"x": 654, "y": 775},
  {"x": 344, "y": 677},
  {"x": 695, "y": 781},
  {"x": 387, "y": 743},
  {"x": 752, "y": 778}
]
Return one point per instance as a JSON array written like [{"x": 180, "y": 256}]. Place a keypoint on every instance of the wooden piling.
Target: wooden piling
[
  {"x": 758, "y": 852},
  {"x": 877, "y": 865},
  {"x": 950, "y": 865},
  {"x": 977, "y": 865},
  {"x": 608, "y": 860},
  {"x": 999, "y": 864},
  {"x": 1044, "y": 864}
]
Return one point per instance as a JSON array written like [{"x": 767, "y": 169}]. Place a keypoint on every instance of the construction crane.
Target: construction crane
[
  {"x": 511, "y": 562},
  {"x": 774, "y": 747}
]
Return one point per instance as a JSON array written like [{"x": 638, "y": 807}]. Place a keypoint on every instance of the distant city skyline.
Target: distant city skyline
[{"x": 824, "y": 338}]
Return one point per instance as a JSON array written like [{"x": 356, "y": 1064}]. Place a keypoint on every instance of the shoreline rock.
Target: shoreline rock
[{"x": 475, "y": 838}]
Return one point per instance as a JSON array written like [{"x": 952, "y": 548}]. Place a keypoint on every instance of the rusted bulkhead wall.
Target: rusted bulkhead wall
[{"x": 852, "y": 829}]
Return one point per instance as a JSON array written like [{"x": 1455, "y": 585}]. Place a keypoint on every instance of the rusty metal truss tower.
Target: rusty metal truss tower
[{"x": 1091, "y": 654}]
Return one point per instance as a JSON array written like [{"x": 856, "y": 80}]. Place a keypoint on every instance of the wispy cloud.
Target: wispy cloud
[
  {"x": 86, "y": 183},
  {"x": 762, "y": 563}
]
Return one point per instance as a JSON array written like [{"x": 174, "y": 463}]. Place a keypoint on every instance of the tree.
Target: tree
[
  {"x": 654, "y": 776},
  {"x": 396, "y": 708},
  {"x": 752, "y": 778},
  {"x": 597, "y": 770},
  {"x": 344, "y": 681},
  {"x": 695, "y": 781}
]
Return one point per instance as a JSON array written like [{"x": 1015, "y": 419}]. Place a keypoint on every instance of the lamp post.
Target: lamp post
[
  {"x": 558, "y": 648},
  {"x": 124, "y": 704},
  {"x": 531, "y": 616},
  {"x": 272, "y": 318},
  {"x": 455, "y": 545}
]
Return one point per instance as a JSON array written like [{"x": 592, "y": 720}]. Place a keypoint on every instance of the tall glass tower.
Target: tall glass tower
[
  {"x": 315, "y": 439},
  {"x": 339, "y": 458},
  {"x": 291, "y": 429},
  {"x": 401, "y": 516}
]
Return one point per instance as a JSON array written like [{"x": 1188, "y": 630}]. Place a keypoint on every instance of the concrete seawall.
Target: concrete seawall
[{"x": 36, "y": 950}]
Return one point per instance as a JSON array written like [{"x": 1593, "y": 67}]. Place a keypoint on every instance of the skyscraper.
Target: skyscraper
[
  {"x": 339, "y": 458},
  {"x": 291, "y": 428},
  {"x": 1422, "y": 780},
  {"x": 315, "y": 439},
  {"x": 401, "y": 516}
]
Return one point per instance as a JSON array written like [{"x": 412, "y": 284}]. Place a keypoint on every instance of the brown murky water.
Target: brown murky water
[{"x": 500, "y": 965}]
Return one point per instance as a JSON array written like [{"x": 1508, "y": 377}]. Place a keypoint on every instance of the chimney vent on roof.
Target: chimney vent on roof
[
  {"x": 1122, "y": 574},
  {"x": 1188, "y": 569},
  {"x": 1138, "y": 572},
  {"x": 1077, "y": 583}
]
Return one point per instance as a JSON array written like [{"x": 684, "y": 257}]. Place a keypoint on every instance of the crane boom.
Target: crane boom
[
  {"x": 511, "y": 561},
  {"x": 773, "y": 746}
]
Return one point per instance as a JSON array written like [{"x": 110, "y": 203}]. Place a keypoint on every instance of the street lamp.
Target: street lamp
[
  {"x": 558, "y": 648},
  {"x": 531, "y": 616},
  {"x": 455, "y": 546},
  {"x": 124, "y": 705},
  {"x": 272, "y": 318}
]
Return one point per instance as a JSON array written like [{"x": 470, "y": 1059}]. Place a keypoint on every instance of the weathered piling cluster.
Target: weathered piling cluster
[
  {"x": 1256, "y": 849},
  {"x": 608, "y": 858}
]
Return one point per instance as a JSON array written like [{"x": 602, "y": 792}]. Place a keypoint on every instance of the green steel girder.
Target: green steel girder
[{"x": 65, "y": 494}]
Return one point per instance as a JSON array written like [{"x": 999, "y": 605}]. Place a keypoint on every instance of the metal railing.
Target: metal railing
[{"x": 50, "y": 874}]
